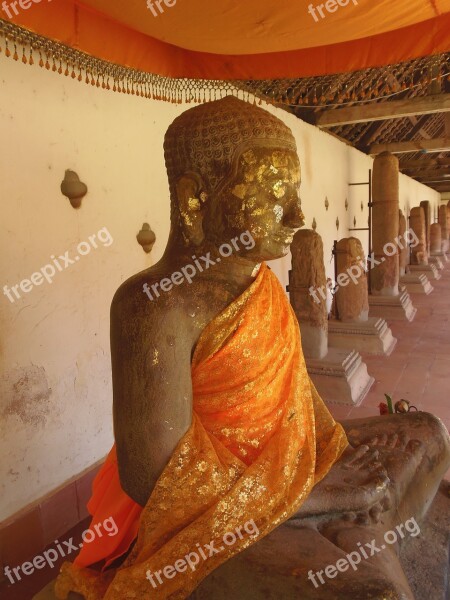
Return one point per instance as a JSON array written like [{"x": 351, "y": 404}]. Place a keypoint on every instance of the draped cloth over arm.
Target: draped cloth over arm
[{"x": 260, "y": 439}]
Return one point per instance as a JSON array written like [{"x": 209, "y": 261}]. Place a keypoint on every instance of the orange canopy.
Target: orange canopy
[{"x": 247, "y": 39}]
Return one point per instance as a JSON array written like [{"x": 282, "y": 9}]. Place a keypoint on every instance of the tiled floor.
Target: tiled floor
[
  {"x": 419, "y": 367},
  {"x": 418, "y": 370}
]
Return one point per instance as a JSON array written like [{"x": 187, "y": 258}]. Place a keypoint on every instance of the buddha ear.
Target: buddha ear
[{"x": 191, "y": 197}]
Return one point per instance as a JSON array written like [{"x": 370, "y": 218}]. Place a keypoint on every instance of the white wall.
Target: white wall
[{"x": 55, "y": 382}]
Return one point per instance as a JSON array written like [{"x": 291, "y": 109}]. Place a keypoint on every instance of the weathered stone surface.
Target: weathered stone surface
[
  {"x": 385, "y": 223},
  {"x": 340, "y": 377},
  {"x": 435, "y": 238},
  {"x": 443, "y": 222},
  {"x": 419, "y": 254},
  {"x": 307, "y": 290},
  {"x": 352, "y": 298},
  {"x": 425, "y": 204},
  {"x": 403, "y": 246},
  {"x": 425, "y": 558},
  {"x": 372, "y": 336}
]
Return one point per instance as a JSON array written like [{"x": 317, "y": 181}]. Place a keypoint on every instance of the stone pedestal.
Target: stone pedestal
[
  {"x": 341, "y": 377},
  {"x": 437, "y": 262},
  {"x": 417, "y": 283},
  {"x": 372, "y": 336},
  {"x": 443, "y": 256},
  {"x": 429, "y": 271},
  {"x": 353, "y": 329},
  {"x": 393, "y": 308}
]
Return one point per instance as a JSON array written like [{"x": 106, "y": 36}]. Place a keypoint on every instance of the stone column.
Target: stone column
[
  {"x": 352, "y": 295},
  {"x": 419, "y": 254},
  {"x": 307, "y": 291},
  {"x": 444, "y": 226},
  {"x": 385, "y": 224},
  {"x": 403, "y": 246},
  {"x": 435, "y": 238},
  {"x": 425, "y": 204}
]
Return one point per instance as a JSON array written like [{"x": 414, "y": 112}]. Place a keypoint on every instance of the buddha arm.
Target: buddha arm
[{"x": 152, "y": 391}]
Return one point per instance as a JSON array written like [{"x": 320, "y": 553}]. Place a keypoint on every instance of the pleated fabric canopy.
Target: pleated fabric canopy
[{"x": 241, "y": 39}]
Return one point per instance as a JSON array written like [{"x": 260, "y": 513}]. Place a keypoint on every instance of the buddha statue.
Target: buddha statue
[{"x": 217, "y": 424}]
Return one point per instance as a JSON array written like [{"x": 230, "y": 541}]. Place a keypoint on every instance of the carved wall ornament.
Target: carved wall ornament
[
  {"x": 146, "y": 238},
  {"x": 346, "y": 204},
  {"x": 337, "y": 223},
  {"x": 362, "y": 206},
  {"x": 73, "y": 188},
  {"x": 314, "y": 224},
  {"x": 354, "y": 221},
  {"x": 327, "y": 204}
]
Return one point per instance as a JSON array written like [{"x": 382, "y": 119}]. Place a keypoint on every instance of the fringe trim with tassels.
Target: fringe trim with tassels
[
  {"x": 403, "y": 80},
  {"x": 55, "y": 56}
]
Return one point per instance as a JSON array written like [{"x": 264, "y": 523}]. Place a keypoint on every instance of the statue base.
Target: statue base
[
  {"x": 442, "y": 255},
  {"x": 437, "y": 262},
  {"x": 417, "y": 283},
  {"x": 429, "y": 270},
  {"x": 393, "y": 308},
  {"x": 340, "y": 377},
  {"x": 372, "y": 336}
]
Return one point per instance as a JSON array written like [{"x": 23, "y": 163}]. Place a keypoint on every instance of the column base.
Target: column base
[
  {"x": 372, "y": 336},
  {"x": 436, "y": 261},
  {"x": 442, "y": 255},
  {"x": 429, "y": 270},
  {"x": 397, "y": 308},
  {"x": 341, "y": 377},
  {"x": 417, "y": 283}
]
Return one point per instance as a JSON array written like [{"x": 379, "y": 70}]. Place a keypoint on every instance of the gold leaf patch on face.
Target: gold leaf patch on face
[
  {"x": 194, "y": 204},
  {"x": 239, "y": 191},
  {"x": 279, "y": 159},
  {"x": 279, "y": 189}
]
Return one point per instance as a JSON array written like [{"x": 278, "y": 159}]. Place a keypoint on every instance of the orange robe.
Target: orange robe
[{"x": 260, "y": 439}]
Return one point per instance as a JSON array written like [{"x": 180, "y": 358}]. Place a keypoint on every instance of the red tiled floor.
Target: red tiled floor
[{"x": 419, "y": 368}]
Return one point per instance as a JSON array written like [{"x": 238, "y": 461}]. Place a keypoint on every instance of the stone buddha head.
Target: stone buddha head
[{"x": 232, "y": 168}]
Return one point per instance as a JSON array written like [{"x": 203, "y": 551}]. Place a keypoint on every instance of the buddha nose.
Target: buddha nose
[{"x": 294, "y": 217}]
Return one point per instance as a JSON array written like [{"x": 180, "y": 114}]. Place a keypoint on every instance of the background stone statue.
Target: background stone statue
[
  {"x": 307, "y": 289},
  {"x": 352, "y": 299},
  {"x": 385, "y": 223},
  {"x": 404, "y": 250},
  {"x": 419, "y": 254}
]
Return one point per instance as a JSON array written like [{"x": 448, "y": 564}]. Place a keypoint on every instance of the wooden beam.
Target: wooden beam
[
  {"x": 396, "y": 109},
  {"x": 434, "y": 145},
  {"x": 425, "y": 163},
  {"x": 440, "y": 188},
  {"x": 428, "y": 173}
]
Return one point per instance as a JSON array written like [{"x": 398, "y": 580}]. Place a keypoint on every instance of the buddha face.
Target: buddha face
[{"x": 262, "y": 198}]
